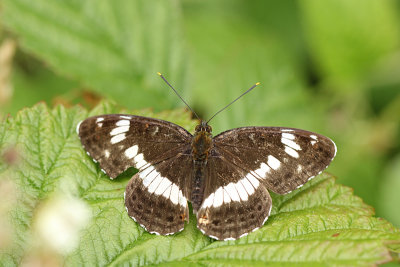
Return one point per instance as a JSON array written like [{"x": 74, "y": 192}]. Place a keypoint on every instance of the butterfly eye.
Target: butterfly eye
[{"x": 209, "y": 129}]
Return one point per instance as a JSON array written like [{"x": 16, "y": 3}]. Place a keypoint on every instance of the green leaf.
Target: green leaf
[
  {"x": 114, "y": 47},
  {"x": 318, "y": 224}
]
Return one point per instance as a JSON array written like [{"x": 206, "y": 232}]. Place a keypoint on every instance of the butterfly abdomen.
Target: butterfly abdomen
[{"x": 197, "y": 194}]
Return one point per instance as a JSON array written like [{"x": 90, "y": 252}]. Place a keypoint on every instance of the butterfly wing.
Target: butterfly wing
[
  {"x": 157, "y": 203},
  {"x": 118, "y": 142},
  {"x": 156, "y": 197},
  {"x": 244, "y": 163},
  {"x": 282, "y": 159},
  {"x": 235, "y": 203}
]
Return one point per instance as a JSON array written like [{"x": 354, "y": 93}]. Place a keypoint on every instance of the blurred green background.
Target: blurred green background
[{"x": 329, "y": 66}]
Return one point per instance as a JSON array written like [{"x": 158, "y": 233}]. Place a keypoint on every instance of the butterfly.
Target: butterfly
[{"x": 226, "y": 177}]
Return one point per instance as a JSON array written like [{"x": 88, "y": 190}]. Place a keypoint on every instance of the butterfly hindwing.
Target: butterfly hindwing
[
  {"x": 157, "y": 203},
  {"x": 120, "y": 141},
  {"x": 235, "y": 202},
  {"x": 283, "y": 159}
]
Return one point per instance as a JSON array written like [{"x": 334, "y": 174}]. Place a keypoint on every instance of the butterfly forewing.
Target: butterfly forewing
[
  {"x": 119, "y": 141},
  {"x": 283, "y": 159}
]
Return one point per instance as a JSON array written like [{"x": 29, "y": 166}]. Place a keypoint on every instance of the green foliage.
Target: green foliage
[
  {"x": 328, "y": 66},
  {"x": 108, "y": 46},
  {"x": 318, "y": 224}
]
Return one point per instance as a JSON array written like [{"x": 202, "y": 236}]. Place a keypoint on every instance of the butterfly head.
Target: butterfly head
[{"x": 203, "y": 127}]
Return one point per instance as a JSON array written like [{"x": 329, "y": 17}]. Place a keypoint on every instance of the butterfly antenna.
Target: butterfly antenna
[
  {"x": 251, "y": 88},
  {"x": 165, "y": 80}
]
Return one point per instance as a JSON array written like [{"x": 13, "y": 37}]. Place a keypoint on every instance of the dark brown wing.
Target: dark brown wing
[
  {"x": 157, "y": 203},
  {"x": 235, "y": 202},
  {"x": 282, "y": 159},
  {"x": 156, "y": 197},
  {"x": 119, "y": 141}
]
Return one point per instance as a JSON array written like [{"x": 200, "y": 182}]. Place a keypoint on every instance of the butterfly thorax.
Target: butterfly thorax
[
  {"x": 201, "y": 146},
  {"x": 202, "y": 142}
]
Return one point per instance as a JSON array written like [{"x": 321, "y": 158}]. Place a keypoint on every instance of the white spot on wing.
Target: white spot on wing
[
  {"x": 159, "y": 185},
  {"x": 78, "y": 126},
  {"x": 209, "y": 201},
  {"x": 232, "y": 192},
  {"x": 122, "y": 123},
  {"x": 165, "y": 183},
  {"x": 118, "y": 138},
  {"x": 218, "y": 197},
  {"x": 247, "y": 185},
  {"x": 290, "y": 143},
  {"x": 227, "y": 198},
  {"x": 125, "y": 117},
  {"x": 155, "y": 131},
  {"x": 312, "y": 177},
  {"x": 143, "y": 174},
  {"x": 291, "y": 152},
  {"x": 269, "y": 212},
  {"x": 149, "y": 177},
  {"x": 131, "y": 152},
  {"x": 313, "y": 136},
  {"x": 263, "y": 170},
  {"x": 253, "y": 180},
  {"x": 174, "y": 194},
  {"x": 118, "y": 130},
  {"x": 182, "y": 199},
  {"x": 139, "y": 161},
  {"x": 299, "y": 168},
  {"x": 242, "y": 191},
  {"x": 313, "y": 142},
  {"x": 251, "y": 136},
  {"x": 99, "y": 119},
  {"x": 288, "y": 136},
  {"x": 153, "y": 186},
  {"x": 154, "y": 232},
  {"x": 335, "y": 149},
  {"x": 273, "y": 162},
  {"x": 231, "y": 189},
  {"x": 243, "y": 235},
  {"x": 106, "y": 153},
  {"x": 287, "y": 130},
  {"x": 212, "y": 236}
]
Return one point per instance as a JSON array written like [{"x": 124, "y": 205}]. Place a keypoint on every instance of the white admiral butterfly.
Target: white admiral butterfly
[{"x": 225, "y": 177}]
